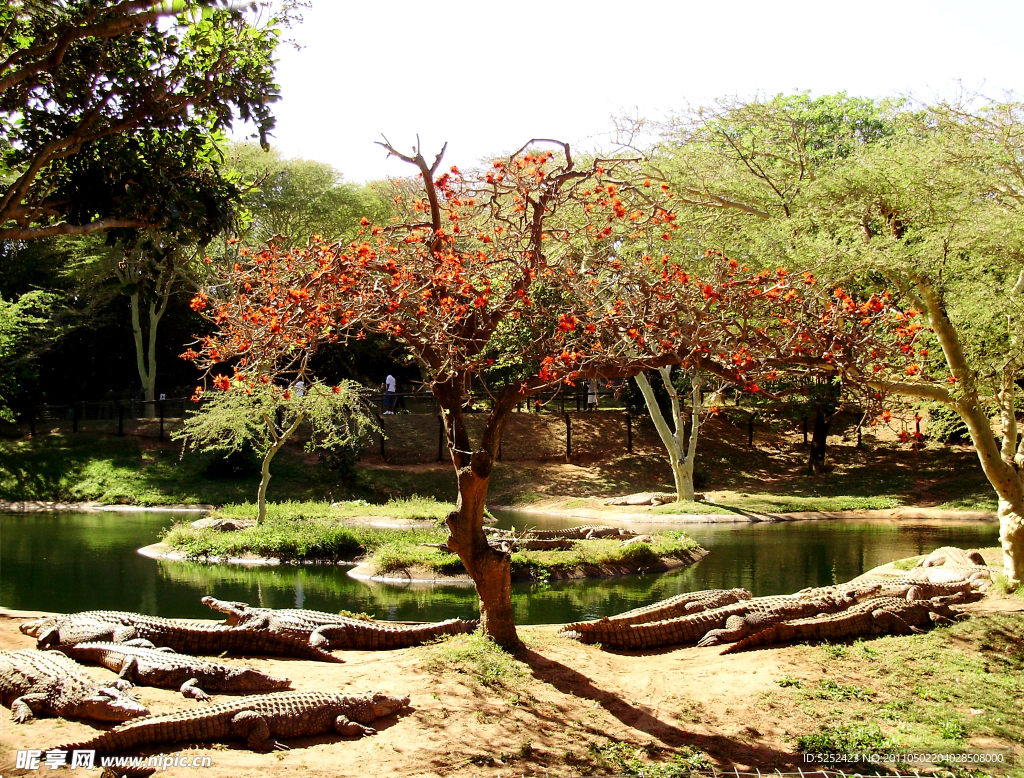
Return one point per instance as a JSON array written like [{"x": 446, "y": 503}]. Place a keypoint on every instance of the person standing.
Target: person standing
[{"x": 390, "y": 389}]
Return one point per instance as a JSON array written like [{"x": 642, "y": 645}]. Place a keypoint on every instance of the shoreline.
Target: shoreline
[
  {"x": 35, "y": 506},
  {"x": 737, "y": 517},
  {"x": 363, "y": 571},
  {"x": 553, "y": 508}
]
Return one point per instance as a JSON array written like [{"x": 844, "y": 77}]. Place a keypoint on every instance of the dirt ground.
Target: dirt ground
[{"x": 571, "y": 696}]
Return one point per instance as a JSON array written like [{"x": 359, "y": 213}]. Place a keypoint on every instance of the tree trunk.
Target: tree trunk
[
  {"x": 278, "y": 439},
  {"x": 1001, "y": 473},
  {"x": 489, "y": 568},
  {"x": 261, "y": 498},
  {"x": 681, "y": 462},
  {"x": 819, "y": 441},
  {"x": 145, "y": 352}
]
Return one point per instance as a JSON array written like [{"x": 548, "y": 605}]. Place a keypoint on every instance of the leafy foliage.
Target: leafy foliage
[
  {"x": 110, "y": 112},
  {"x": 228, "y": 421}
]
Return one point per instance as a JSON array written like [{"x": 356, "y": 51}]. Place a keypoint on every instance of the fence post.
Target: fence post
[
  {"x": 75, "y": 409},
  {"x": 629, "y": 433},
  {"x": 160, "y": 408},
  {"x": 120, "y": 418},
  {"x": 440, "y": 435},
  {"x": 568, "y": 438},
  {"x": 32, "y": 421},
  {"x": 750, "y": 430},
  {"x": 805, "y": 430}
]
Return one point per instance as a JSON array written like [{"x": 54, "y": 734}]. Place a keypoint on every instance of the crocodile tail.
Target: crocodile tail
[
  {"x": 279, "y": 644},
  {"x": 120, "y": 739},
  {"x": 208, "y": 641}
]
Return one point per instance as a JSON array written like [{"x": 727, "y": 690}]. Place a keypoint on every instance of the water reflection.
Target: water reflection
[{"x": 81, "y": 561}]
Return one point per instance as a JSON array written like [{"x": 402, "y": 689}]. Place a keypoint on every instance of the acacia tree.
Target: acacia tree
[
  {"x": 109, "y": 111},
  {"x": 491, "y": 277},
  {"x": 925, "y": 198},
  {"x": 244, "y": 412}
]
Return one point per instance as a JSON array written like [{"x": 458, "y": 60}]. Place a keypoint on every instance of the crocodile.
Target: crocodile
[
  {"x": 680, "y": 605},
  {"x": 912, "y": 588},
  {"x": 151, "y": 631},
  {"x": 878, "y": 616},
  {"x": 643, "y": 498},
  {"x": 570, "y": 533},
  {"x": 952, "y": 564},
  {"x": 736, "y": 619},
  {"x": 34, "y": 682},
  {"x": 330, "y": 631},
  {"x": 258, "y": 720},
  {"x": 171, "y": 670},
  {"x": 832, "y": 599}
]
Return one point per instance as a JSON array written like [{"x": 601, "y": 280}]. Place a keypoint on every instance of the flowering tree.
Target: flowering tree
[
  {"x": 535, "y": 271},
  {"x": 270, "y": 315}
]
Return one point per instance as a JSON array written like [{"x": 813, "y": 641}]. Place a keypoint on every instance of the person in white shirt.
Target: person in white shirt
[{"x": 390, "y": 388}]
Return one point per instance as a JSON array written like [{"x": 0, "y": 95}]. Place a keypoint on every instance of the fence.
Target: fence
[
  {"x": 560, "y": 399},
  {"x": 123, "y": 417}
]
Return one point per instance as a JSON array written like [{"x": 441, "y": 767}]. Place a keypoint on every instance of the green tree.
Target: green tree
[
  {"x": 110, "y": 111},
  {"x": 291, "y": 199},
  {"x": 22, "y": 322},
  {"x": 267, "y": 416},
  {"x": 925, "y": 199}
]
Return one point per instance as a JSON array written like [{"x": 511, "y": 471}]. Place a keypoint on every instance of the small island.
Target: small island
[{"x": 404, "y": 540}]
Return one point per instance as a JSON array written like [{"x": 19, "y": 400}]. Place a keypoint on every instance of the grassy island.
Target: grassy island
[{"x": 310, "y": 532}]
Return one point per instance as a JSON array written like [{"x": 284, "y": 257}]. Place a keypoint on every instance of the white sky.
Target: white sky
[{"x": 488, "y": 76}]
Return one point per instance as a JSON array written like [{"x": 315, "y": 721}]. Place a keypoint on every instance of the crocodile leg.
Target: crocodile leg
[
  {"x": 25, "y": 707},
  {"x": 892, "y": 622},
  {"x": 347, "y": 728},
  {"x": 734, "y": 629},
  {"x": 318, "y": 639},
  {"x": 191, "y": 689},
  {"x": 129, "y": 672},
  {"x": 254, "y": 728}
]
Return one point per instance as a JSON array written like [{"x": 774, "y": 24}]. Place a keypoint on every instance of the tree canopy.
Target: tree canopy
[{"x": 110, "y": 112}]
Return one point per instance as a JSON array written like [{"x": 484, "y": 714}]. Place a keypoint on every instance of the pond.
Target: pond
[{"x": 83, "y": 561}]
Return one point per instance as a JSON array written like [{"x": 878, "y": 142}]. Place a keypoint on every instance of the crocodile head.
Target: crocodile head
[
  {"x": 109, "y": 704},
  {"x": 36, "y": 627},
  {"x": 234, "y": 610},
  {"x": 251, "y": 680},
  {"x": 374, "y": 705}
]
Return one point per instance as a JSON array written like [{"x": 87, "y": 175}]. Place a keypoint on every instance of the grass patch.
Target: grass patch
[
  {"x": 907, "y": 564},
  {"x": 590, "y": 555},
  {"x": 65, "y": 467},
  {"x": 975, "y": 502},
  {"x": 479, "y": 659},
  {"x": 403, "y": 508},
  {"x": 627, "y": 759},
  {"x": 687, "y": 506},
  {"x": 935, "y": 692},
  {"x": 847, "y": 739},
  {"x": 293, "y": 538}
]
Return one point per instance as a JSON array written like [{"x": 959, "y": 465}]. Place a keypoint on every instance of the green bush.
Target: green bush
[{"x": 945, "y": 425}]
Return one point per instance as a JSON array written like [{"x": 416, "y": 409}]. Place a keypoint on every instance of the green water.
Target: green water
[{"x": 81, "y": 561}]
